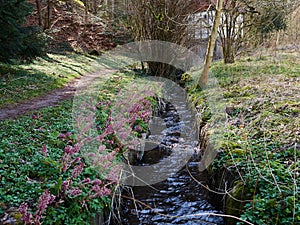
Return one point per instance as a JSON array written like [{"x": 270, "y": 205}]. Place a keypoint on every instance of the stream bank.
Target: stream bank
[
  {"x": 256, "y": 171},
  {"x": 179, "y": 199}
]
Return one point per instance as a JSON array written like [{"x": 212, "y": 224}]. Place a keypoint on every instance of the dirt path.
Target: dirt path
[{"x": 50, "y": 99}]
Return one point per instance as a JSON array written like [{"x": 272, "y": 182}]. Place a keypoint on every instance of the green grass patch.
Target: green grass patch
[
  {"x": 285, "y": 66},
  {"x": 22, "y": 82}
]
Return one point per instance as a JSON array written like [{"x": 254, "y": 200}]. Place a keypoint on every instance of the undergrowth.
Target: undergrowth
[
  {"x": 260, "y": 135},
  {"x": 46, "y": 174}
]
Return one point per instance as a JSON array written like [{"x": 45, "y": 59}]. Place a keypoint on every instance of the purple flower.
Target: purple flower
[
  {"x": 44, "y": 150},
  {"x": 45, "y": 199},
  {"x": 26, "y": 215},
  {"x": 96, "y": 182},
  {"x": 114, "y": 173},
  {"x": 103, "y": 191},
  {"x": 110, "y": 142},
  {"x": 91, "y": 154},
  {"x": 65, "y": 185},
  {"x": 77, "y": 159},
  {"x": 138, "y": 128},
  {"x": 68, "y": 149},
  {"x": 101, "y": 148},
  {"x": 62, "y": 136},
  {"x": 77, "y": 170},
  {"x": 96, "y": 188},
  {"x": 86, "y": 181},
  {"x": 76, "y": 148},
  {"x": 74, "y": 192}
]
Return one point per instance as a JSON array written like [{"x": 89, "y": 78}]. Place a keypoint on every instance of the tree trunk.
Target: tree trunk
[
  {"x": 39, "y": 13},
  {"x": 228, "y": 52},
  {"x": 211, "y": 45},
  {"x": 48, "y": 18},
  {"x": 86, "y": 15}
]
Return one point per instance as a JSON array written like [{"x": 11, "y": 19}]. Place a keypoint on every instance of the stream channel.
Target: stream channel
[{"x": 178, "y": 198}]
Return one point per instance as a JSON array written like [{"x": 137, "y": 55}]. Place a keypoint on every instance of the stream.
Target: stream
[{"x": 179, "y": 198}]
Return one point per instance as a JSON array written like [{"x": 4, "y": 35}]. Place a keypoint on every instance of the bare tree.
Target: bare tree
[
  {"x": 231, "y": 29},
  {"x": 164, "y": 20},
  {"x": 48, "y": 17},
  {"x": 245, "y": 22},
  {"x": 86, "y": 13}
]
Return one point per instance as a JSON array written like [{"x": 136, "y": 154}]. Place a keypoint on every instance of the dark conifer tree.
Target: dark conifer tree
[{"x": 17, "y": 41}]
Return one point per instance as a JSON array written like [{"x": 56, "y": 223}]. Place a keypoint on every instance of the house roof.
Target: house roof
[{"x": 203, "y": 5}]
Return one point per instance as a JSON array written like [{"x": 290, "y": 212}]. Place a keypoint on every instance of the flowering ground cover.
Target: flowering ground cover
[{"x": 44, "y": 176}]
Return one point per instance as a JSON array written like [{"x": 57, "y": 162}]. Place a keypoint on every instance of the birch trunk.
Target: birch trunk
[{"x": 211, "y": 45}]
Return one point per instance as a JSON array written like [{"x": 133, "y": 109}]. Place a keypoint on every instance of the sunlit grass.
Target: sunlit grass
[{"x": 25, "y": 81}]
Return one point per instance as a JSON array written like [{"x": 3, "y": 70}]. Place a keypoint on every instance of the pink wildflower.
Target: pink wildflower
[
  {"x": 65, "y": 185},
  {"x": 77, "y": 170},
  {"x": 68, "y": 149},
  {"x": 76, "y": 148},
  {"x": 101, "y": 148},
  {"x": 45, "y": 199},
  {"x": 103, "y": 191},
  {"x": 114, "y": 173},
  {"x": 44, "y": 150},
  {"x": 62, "y": 136},
  {"x": 86, "y": 181},
  {"x": 96, "y": 182},
  {"x": 74, "y": 192},
  {"x": 26, "y": 215},
  {"x": 138, "y": 128}
]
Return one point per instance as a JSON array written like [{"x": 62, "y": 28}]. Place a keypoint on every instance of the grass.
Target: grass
[
  {"x": 258, "y": 141},
  {"x": 23, "y": 82}
]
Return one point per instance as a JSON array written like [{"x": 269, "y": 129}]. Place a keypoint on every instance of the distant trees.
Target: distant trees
[
  {"x": 17, "y": 41},
  {"x": 44, "y": 13},
  {"x": 249, "y": 23},
  {"x": 270, "y": 17},
  {"x": 244, "y": 22}
]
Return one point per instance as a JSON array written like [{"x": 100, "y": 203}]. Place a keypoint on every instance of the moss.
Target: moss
[
  {"x": 234, "y": 203},
  {"x": 185, "y": 78}
]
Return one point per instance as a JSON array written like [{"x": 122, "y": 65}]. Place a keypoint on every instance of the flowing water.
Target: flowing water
[{"x": 179, "y": 199}]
